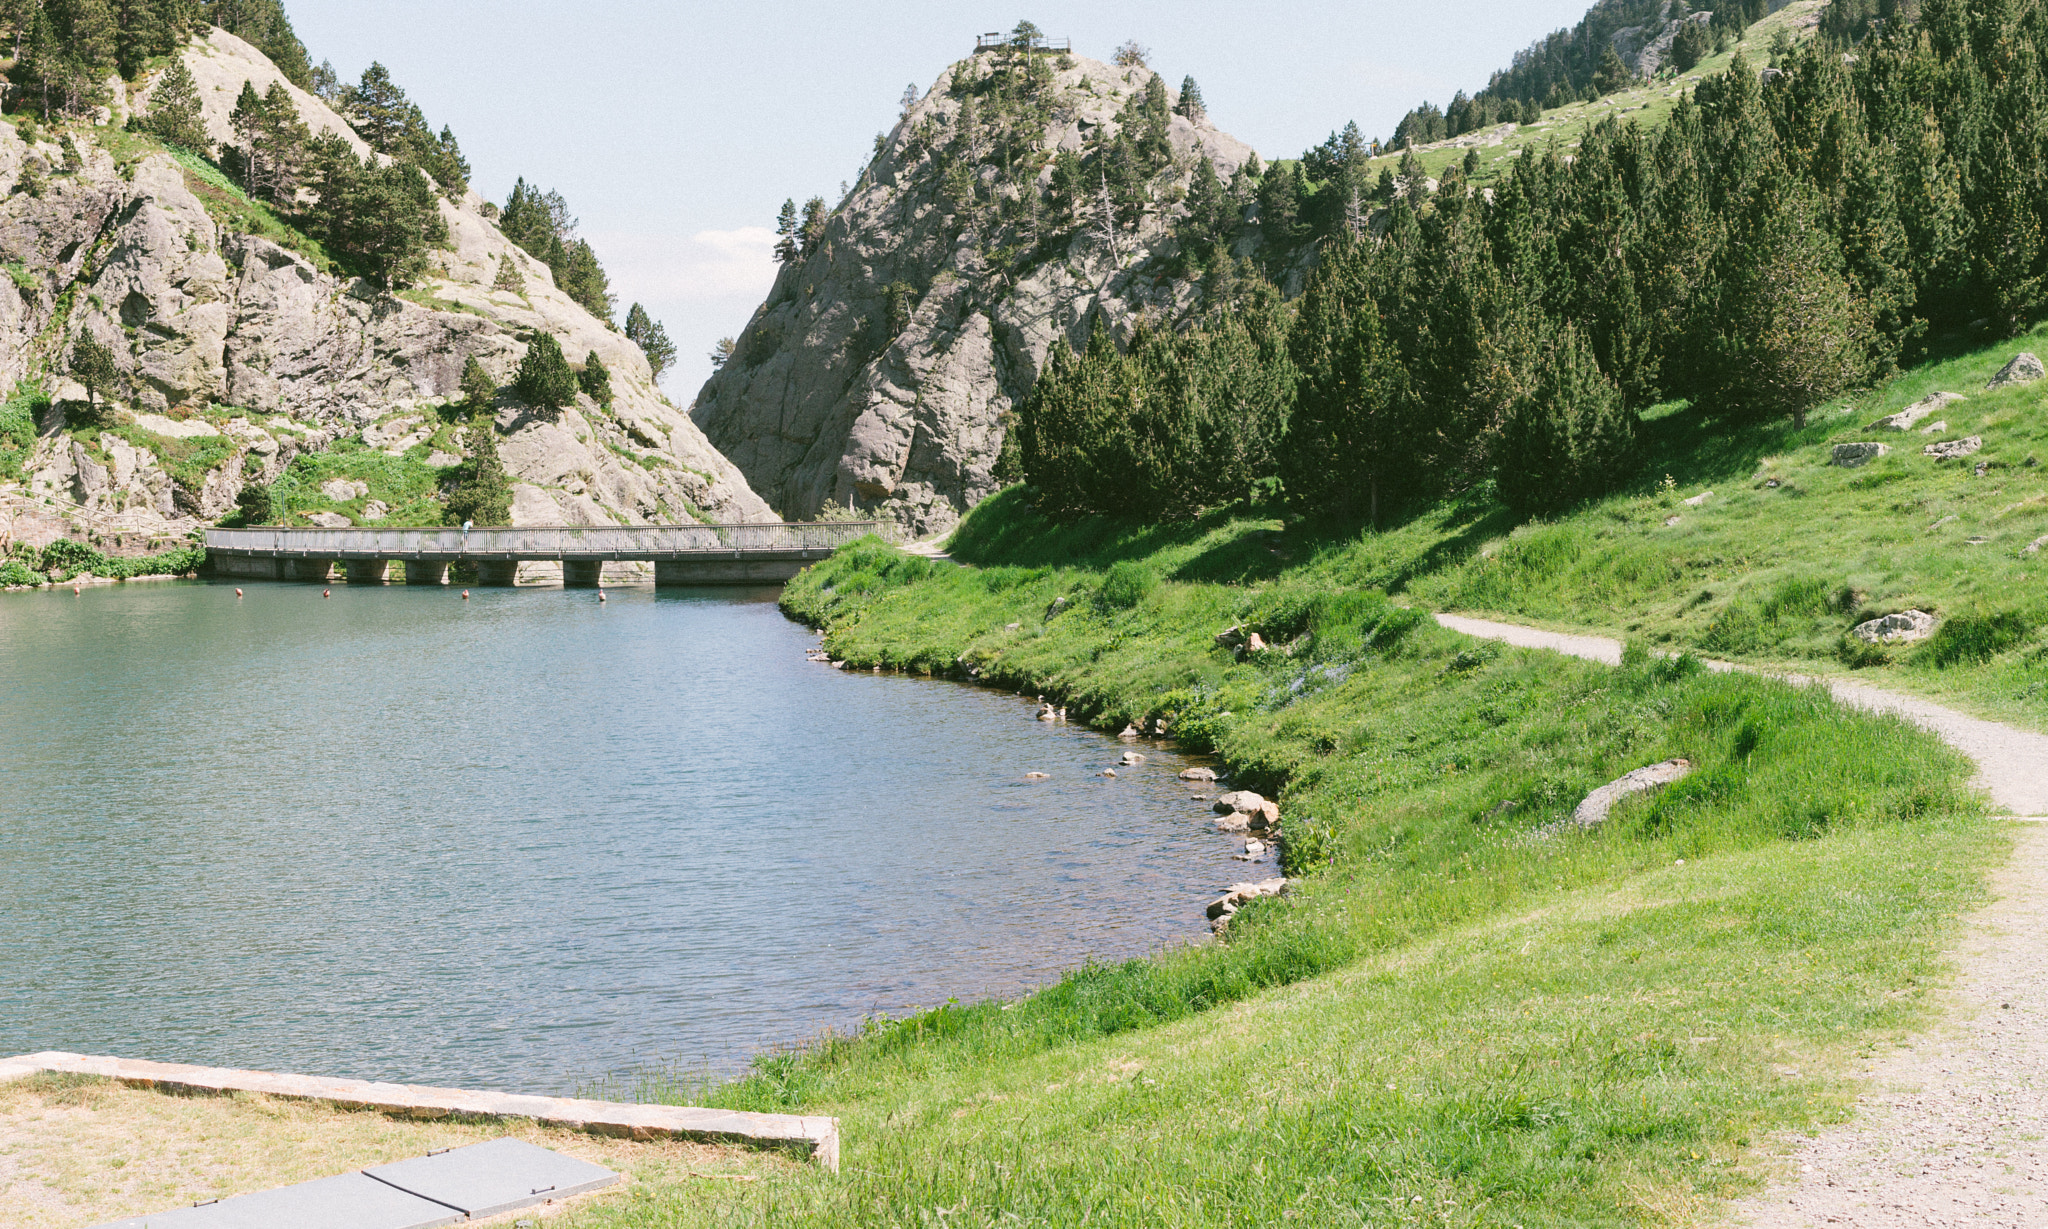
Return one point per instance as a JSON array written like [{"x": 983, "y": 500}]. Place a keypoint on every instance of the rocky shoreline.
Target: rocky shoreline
[{"x": 1234, "y": 811}]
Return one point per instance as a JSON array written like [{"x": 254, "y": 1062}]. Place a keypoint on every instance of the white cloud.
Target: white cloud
[{"x": 709, "y": 265}]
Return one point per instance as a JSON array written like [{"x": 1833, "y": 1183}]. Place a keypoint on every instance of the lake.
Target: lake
[{"x": 529, "y": 839}]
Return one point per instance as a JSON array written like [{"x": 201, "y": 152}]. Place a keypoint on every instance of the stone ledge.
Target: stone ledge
[{"x": 816, "y": 1138}]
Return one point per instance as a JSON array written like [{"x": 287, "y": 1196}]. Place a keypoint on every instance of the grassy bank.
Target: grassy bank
[{"x": 1464, "y": 1015}]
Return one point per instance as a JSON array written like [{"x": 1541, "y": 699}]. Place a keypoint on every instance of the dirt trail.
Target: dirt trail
[{"x": 1951, "y": 1131}]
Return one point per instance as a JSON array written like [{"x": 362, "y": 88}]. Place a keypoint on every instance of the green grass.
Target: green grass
[
  {"x": 1455, "y": 1019},
  {"x": 19, "y": 415},
  {"x": 187, "y": 459},
  {"x": 232, "y": 208},
  {"x": 407, "y": 485},
  {"x": 1648, "y": 104}
]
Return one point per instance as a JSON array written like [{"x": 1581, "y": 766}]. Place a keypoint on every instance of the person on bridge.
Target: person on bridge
[{"x": 465, "y": 534}]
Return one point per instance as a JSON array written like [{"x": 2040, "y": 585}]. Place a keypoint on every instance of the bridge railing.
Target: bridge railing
[{"x": 540, "y": 541}]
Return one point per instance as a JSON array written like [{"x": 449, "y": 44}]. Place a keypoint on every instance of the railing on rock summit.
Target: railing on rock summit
[{"x": 541, "y": 541}]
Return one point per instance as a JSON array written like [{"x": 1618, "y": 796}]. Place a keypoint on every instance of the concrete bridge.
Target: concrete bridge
[{"x": 681, "y": 554}]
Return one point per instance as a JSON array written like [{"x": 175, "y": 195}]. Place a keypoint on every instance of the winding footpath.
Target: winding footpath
[{"x": 1953, "y": 1130}]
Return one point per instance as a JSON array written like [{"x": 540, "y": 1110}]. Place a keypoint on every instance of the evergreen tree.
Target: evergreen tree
[
  {"x": 1690, "y": 45},
  {"x": 143, "y": 32},
  {"x": 722, "y": 353},
  {"x": 583, "y": 279},
  {"x": 90, "y": 34},
  {"x": 812, "y": 233},
  {"x": 381, "y": 219},
  {"x": 174, "y": 114},
  {"x": 1190, "y": 106},
  {"x": 509, "y": 278},
  {"x": 1612, "y": 75},
  {"x": 479, "y": 390},
  {"x": 595, "y": 381},
  {"x": 545, "y": 380},
  {"x": 379, "y": 111},
  {"x": 449, "y": 168},
  {"x": 92, "y": 365},
  {"x": 1793, "y": 330},
  {"x": 255, "y": 504},
  {"x": 646, "y": 332},
  {"x": 481, "y": 493},
  {"x": 1355, "y": 430},
  {"x": 1569, "y": 437},
  {"x": 785, "y": 230},
  {"x": 1209, "y": 213}
]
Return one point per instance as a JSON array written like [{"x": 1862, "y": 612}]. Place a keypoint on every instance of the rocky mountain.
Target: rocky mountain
[
  {"x": 909, "y": 321},
  {"x": 238, "y": 354}
]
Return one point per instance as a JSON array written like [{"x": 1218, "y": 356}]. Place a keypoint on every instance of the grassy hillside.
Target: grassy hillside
[
  {"x": 1465, "y": 1014},
  {"x": 1647, "y": 104}
]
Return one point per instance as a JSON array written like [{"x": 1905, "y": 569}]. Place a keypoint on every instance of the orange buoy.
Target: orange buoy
[
  {"x": 74, "y": 590},
  {"x": 327, "y": 593},
  {"x": 238, "y": 593},
  {"x": 465, "y": 595}
]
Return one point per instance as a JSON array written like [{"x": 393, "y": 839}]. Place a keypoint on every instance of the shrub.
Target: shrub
[
  {"x": 1126, "y": 584},
  {"x": 15, "y": 572},
  {"x": 545, "y": 378}
]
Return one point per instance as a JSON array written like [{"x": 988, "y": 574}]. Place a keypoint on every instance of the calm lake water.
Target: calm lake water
[{"x": 526, "y": 840}]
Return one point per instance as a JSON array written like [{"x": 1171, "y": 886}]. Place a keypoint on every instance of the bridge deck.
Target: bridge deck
[{"x": 546, "y": 543}]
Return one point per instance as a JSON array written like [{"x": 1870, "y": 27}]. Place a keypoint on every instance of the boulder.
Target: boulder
[
  {"x": 2023, "y": 369},
  {"x": 375, "y": 509},
  {"x": 1949, "y": 450},
  {"x": 1902, "y": 628},
  {"x": 1849, "y": 456},
  {"x": 1129, "y": 733},
  {"x": 1132, "y": 757},
  {"x": 1240, "y": 893},
  {"x": 1595, "y": 806},
  {"x": 1936, "y": 427},
  {"x": 1234, "y": 822},
  {"x": 341, "y": 490},
  {"x": 2034, "y": 547},
  {"x": 1109, "y": 772},
  {"x": 1255, "y": 643},
  {"x": 1699, "y": 499},
  {"x": 1239, "y": 800},
  {"x": 1036, "y": 776},
  {"x": 329, "y": 520},
  {"x": 1230, "y": 638},
  {"x": 1905, "y": 419},
  {"x": 1047, "y": 712},
  {"x": 1198, "y": 774}
]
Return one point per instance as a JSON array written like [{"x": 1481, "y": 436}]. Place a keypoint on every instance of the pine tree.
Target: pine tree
[
  {"x": 1793, "y": 331},
  {"x": 90, "y": 33},
  {"x": 545, "y": 380},
  {"x": 255, "y": 503},
  {"x": 646, "y": 332},
  {"x": 722, "y": 353},
  {"x": 379, "y": 111},
  {"x": 92, "y": 365},
  {"x": 583, "y": 279},
  {"x": 174, "y": 114},
  {"x": 509, "y": 278},
  {"x": 1354, "y": 431},
  {"x": 479, "y": 390},
  {"x": 785, "y": 229},
  {"x": 595, "y": 381},
  {"x": 1190, "y": 106},
  {"x": 1691, "y": 45},
  {"x": 812, "y": 232},
  {"x": 263, "y": 24},
  {"x": 143, "y": 33},
  {"x": 1569, "y": 438},
  {"x": 443, "y": 159},
  {"x": 482, "y": 493}
]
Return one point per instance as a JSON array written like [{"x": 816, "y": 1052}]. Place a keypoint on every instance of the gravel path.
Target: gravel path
[{"x": 1951, "y": 1131}]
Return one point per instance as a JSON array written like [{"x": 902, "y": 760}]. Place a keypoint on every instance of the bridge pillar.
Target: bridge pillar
[
  {"x": 497, "y": 573},
  {"x": 314, "y": 570},
  {"x": 421, "y": 572},
  {"x": 367, "y": 571},
  {"x": 581, "y": 573}
]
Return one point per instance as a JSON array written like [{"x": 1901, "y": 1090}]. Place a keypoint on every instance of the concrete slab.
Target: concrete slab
[
  {"x": 346, "y": 1201},
  {"x": 496, "y": 1176},
  {"x": 814, "y": 1137}
]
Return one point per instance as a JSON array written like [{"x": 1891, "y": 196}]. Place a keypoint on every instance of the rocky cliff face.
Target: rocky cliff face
[
  {"x": 238, "y": 355},
  {"x": 880, "y": 372}
]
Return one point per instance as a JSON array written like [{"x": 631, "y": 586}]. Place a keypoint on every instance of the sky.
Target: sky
[{"x": 676, "y": 131}]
